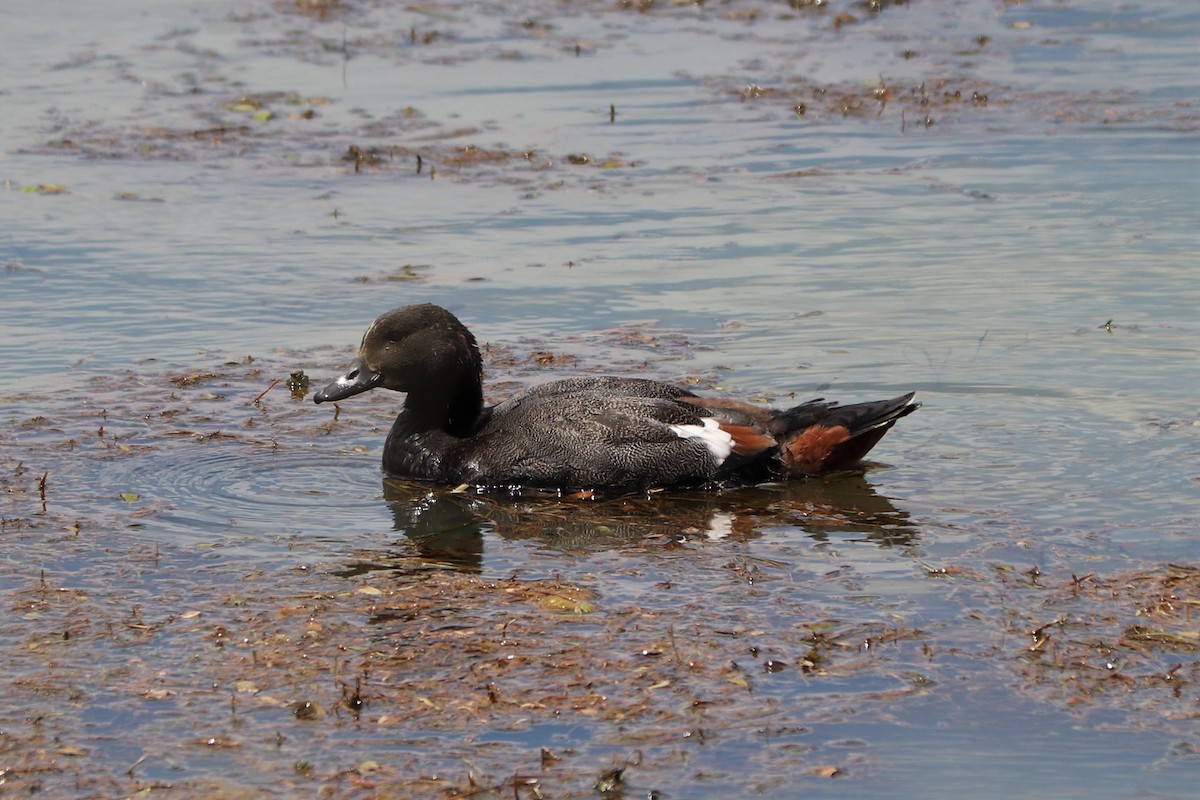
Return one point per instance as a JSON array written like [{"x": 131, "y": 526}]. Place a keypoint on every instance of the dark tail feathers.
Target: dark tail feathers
[{"x": 818, "y": 436}]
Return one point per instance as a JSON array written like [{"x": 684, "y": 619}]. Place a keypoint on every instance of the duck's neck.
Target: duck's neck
[{"x": 452, "y": 404}]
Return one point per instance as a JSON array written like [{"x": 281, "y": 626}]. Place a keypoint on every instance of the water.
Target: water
[{"x": 192, "y": 538}]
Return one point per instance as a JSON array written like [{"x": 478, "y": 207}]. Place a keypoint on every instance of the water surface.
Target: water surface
[{"x": 992, "y": 205}]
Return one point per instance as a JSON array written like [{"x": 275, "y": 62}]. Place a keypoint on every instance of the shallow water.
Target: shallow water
[{"x": 1026, "y": 261}]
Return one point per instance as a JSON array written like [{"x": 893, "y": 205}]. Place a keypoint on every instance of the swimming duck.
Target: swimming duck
[{"x": 586, "y": 433}]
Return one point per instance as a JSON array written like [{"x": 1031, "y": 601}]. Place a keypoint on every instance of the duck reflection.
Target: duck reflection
[{"x": 448, "y": 528}]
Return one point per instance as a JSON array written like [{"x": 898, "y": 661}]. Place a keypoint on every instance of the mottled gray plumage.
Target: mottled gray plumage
[{"x": 588, "y": 432}]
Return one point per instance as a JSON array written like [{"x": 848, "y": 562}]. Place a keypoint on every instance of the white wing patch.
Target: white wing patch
[{"x": 709, "y": 432}]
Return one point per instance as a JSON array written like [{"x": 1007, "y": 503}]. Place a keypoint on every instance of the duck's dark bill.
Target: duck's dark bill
[{"x": 358, "y": 380}]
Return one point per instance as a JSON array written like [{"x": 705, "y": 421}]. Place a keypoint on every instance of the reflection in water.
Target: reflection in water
[
  {"x": 448, "y": 527},
  {"x": 441, "y": 526}
]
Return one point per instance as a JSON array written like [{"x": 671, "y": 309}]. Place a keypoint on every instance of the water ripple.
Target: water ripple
[{"x": 217, "y": 492}]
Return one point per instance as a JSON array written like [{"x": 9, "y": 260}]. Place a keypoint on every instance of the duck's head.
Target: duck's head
[{"x": 421, "y": 349}]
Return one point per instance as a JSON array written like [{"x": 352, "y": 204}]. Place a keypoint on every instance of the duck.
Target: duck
[{"x": 588, "y": 433}]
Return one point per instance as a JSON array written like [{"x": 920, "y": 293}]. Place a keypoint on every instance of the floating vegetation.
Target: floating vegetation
[
  {"x": 1131, "y": 635},
  {"x": 297, "y": 384},
  {"x": 869, "y": 99},
  {"x": 46, "y": 188}
]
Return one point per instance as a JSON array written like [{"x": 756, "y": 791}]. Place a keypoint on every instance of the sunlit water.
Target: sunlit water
[{"x": 976, "y": 260}]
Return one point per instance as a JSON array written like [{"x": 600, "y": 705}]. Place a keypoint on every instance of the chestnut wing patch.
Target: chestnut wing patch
[
  {"x": 748, "y": 440},
  {"x": 807, "y": 453}
]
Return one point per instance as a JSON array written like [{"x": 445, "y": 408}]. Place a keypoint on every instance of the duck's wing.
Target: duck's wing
[{"x": 605, "y": 433}]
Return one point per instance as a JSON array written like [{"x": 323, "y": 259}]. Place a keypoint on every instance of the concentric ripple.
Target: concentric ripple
[{"x": 222, "y": 494}]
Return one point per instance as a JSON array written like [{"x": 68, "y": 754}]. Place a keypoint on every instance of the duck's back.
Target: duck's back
[{"x": 592, "y": 432}]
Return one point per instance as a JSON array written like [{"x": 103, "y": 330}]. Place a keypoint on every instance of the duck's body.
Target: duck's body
[{"x": 586, "y": 433}]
